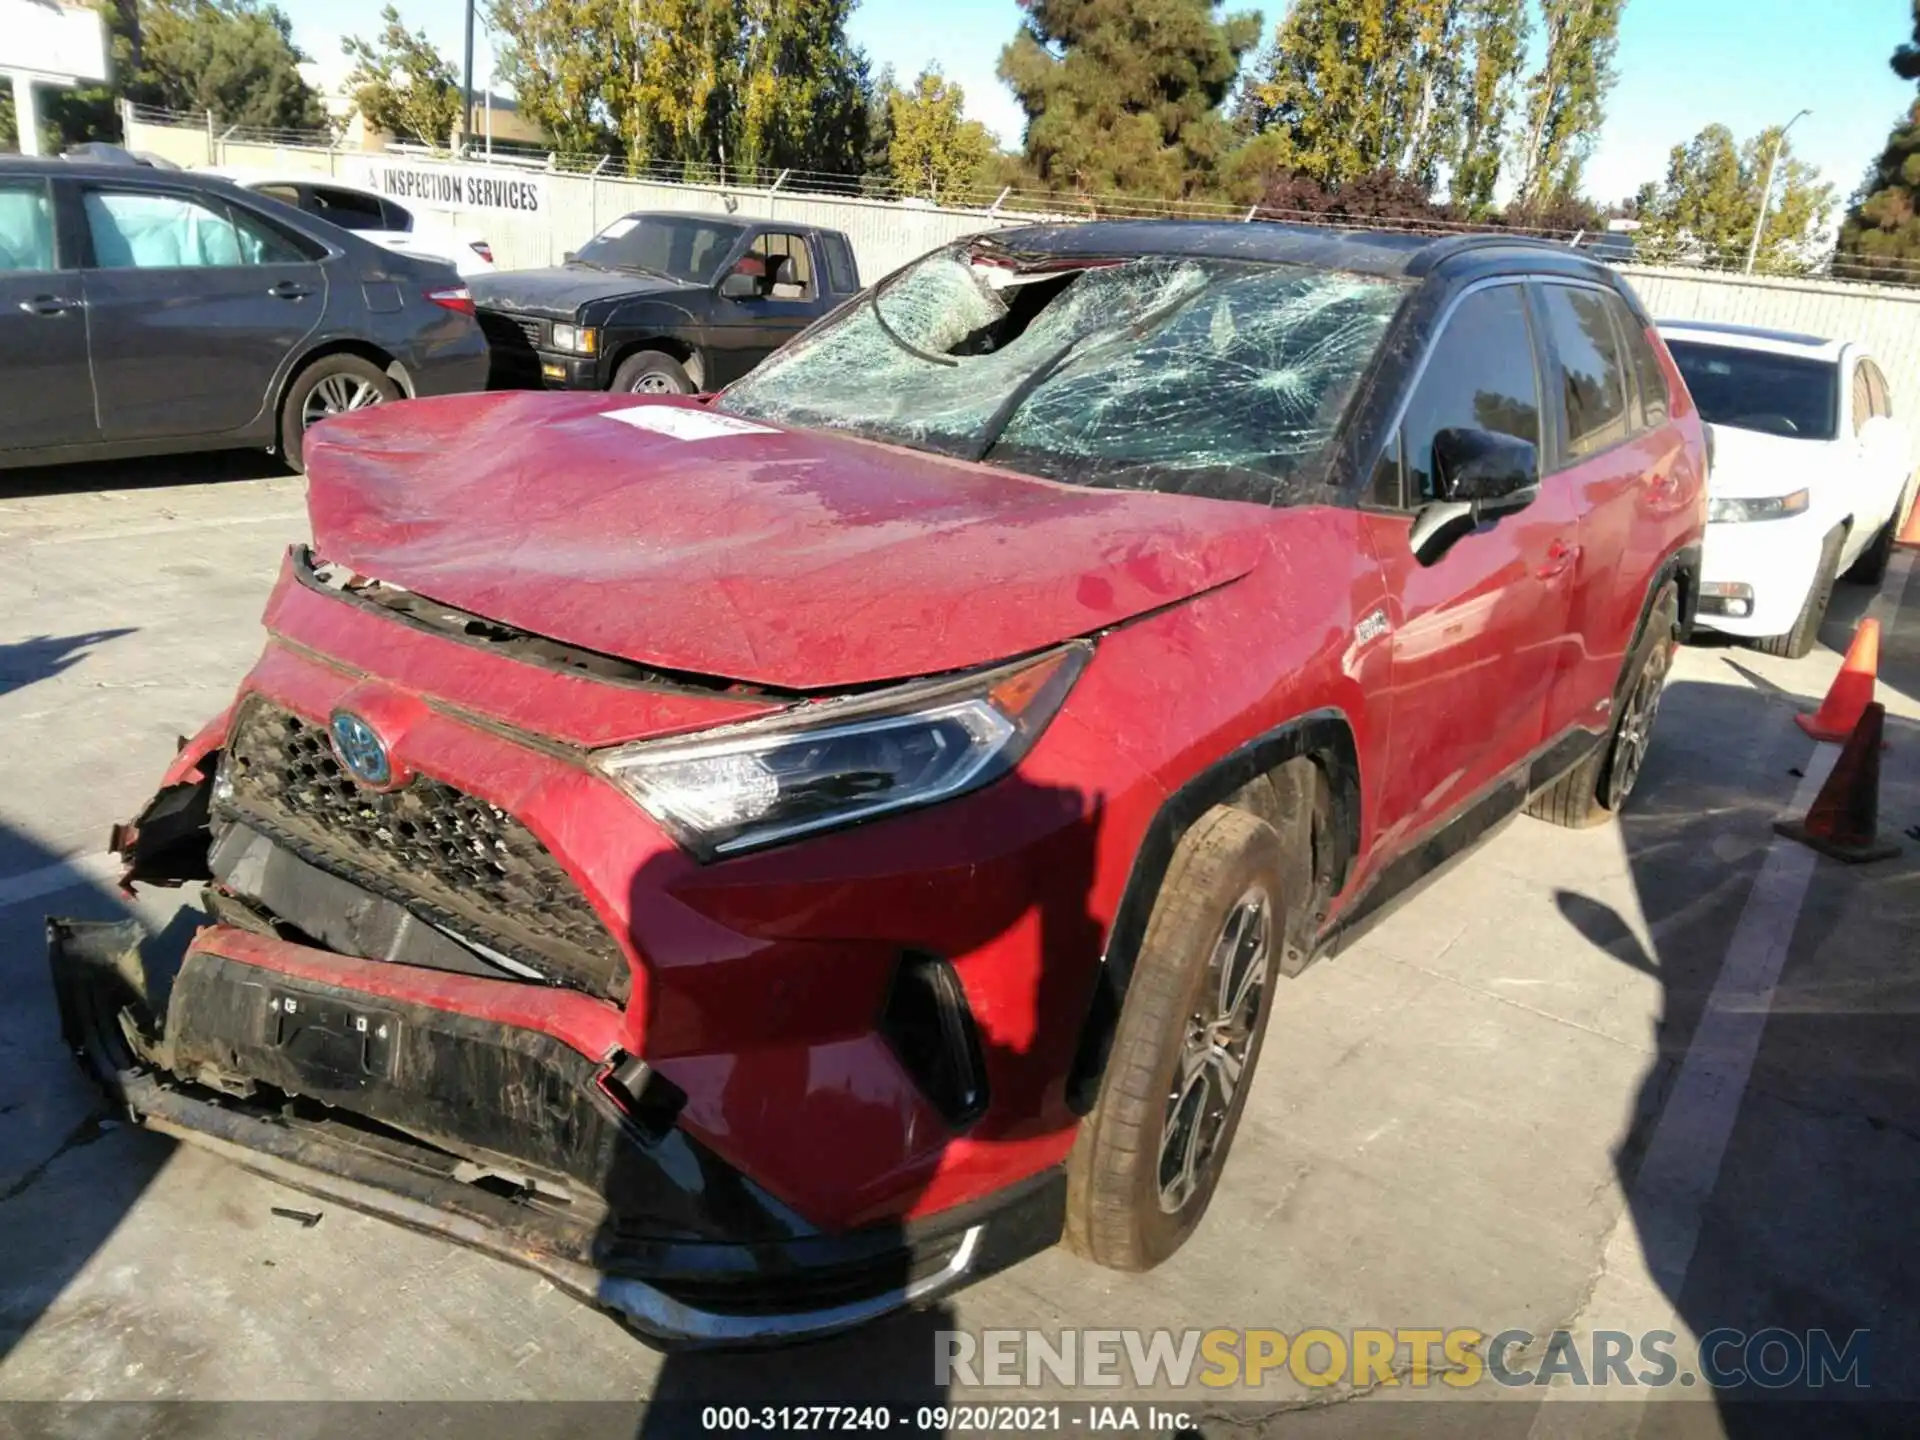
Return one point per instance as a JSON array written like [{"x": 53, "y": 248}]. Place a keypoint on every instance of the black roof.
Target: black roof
[
  {"x": 743, "y": 222},
  {"x": 1364, "y": 252}
]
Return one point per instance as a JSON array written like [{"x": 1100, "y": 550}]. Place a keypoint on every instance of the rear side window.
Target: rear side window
[
  {"x": 26, "y": 227},
  {"x": 1591, "y": 371},
  {"x": 398, "y": 216},
  {"x": 285, "y": 194},
  {"x": 840, "y": 272},
  {"x": 1480, "y": 374},
  {"x": 1647, "y": 371},
  {"x": 348, "y": 209}
]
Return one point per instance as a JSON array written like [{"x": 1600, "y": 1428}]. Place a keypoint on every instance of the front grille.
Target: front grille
[
  {"x": 455, "y": 860},
  {"x": 515, "y": 332}
]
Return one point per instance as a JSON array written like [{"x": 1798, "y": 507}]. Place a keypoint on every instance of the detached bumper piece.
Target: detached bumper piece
[{"x": 499, "y": 1138}]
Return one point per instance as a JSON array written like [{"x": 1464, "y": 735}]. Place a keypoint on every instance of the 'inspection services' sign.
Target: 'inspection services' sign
[{"x": 459, "y": 187}]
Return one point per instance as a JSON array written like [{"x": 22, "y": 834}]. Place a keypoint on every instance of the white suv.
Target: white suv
[
  {"x": 371, "y": 216},
  {"x": 1809, "y": 476}
]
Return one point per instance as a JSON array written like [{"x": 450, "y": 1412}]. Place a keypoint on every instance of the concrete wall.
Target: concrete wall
[{"x": 886, "y": 234}]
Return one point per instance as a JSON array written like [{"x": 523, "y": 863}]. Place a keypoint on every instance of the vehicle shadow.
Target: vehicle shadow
[
  {"x": 69, "y": 1170},
  {"x": 1030, "y": 887},
  {"x": 1803, "y": 1222},
  {"x": 146, "y": 472},
  {"x": 25, "y": 661}
]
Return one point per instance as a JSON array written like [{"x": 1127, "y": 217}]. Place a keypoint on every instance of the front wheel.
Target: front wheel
[
  {"x": 651, "y": 373},
  {"x": 1798, "y": 641},
  {"x": 1147, "y": 1158},
  {"x": 332, "y": 385}
]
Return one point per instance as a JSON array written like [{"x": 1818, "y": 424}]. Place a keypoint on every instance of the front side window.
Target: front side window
[
  {"x": 1479, "y": 375},
  {"x": 1593, "y": 379},
  {"x": 1790, "y": 395},
  {"x": 1160, "y": 373},
  {"x": 136, "y": 231},
  {"x": 26, "y": 227},
  {"x": 677, "y": 247}
]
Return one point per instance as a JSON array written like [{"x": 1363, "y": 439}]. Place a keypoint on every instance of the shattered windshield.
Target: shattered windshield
[{"x": 1163, "y": 373}]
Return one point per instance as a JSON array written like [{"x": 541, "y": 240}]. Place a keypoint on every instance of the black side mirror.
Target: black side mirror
[
  {"x": 569, "y": 257},
  {"x": 1473, "y": 467},
  {"x": 740, "y": 287}
]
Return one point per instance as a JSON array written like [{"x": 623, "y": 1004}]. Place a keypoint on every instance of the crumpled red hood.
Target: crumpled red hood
[{"x": 787, "y": 558}]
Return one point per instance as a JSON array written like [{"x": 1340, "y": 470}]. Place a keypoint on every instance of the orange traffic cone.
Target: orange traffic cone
[
  {"x": 1852, "y": 689},
  {"x": 1845, "y": 819},
  {"x": 1909, "y": 536}
]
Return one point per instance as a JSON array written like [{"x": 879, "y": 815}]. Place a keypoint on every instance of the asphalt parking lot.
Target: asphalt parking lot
[{"x": 1657, "y": 1075}]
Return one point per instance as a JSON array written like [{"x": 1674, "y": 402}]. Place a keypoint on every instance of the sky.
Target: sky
[{"x": 1683, "y": 64}]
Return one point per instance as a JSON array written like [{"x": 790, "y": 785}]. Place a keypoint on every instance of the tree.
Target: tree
[
  {"x": 404, "y": 86},
  {"x": 1707, "y": 208},
  {"x": 1566, "y": 98},
  {"x": 1496, "y": 44},
  {"x": 235, "y": 58},
  {"x": 935, "y": 150},
  {"x": 1880, "y": 239},
  {"x": 572, "y": 66},
  {"x": 693, "y": 84},
  {"x": 1352, "y": 87},
  {"x": 1124, "y": 96}
]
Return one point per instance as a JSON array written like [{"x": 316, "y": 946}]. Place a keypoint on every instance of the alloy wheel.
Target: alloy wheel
[
  {"x": 1213, "y": 1058},
  {"x": 336, "y": 395},
  {"x": 1636, "y": 729}
]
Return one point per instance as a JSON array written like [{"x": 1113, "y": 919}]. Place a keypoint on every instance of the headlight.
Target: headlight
[
  {"x": 581, "y": 339},
  {"x": 1772, "y": 507},
  {"x": 837, "y": 762}
]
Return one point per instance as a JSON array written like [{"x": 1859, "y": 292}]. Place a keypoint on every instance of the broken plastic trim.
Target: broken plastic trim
[{"x": 451, "y": 623}]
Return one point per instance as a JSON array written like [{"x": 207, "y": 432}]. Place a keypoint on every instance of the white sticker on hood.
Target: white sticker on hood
[{"x": 684, "y": 424}]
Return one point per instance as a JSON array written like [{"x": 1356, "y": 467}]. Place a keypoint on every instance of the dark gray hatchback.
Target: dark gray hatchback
[{"x": 145, "y": 311}]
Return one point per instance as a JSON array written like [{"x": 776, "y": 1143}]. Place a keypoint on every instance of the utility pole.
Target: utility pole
[
  {"x": 1766, "y": 191},
  {"x": 466, "y": 92}
]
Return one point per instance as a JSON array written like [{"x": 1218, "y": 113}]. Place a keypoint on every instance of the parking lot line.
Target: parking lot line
[{"x": 1652, "y": 1243}]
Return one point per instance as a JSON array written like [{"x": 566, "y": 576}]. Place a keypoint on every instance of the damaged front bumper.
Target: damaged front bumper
[{"x": 500, "y": 1138}]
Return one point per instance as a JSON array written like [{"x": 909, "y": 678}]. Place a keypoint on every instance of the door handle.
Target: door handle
[
  {"x": 1560, "y": 557},
  {"x": 290, "y": 290},
  {"x": 49, "y": 305}
]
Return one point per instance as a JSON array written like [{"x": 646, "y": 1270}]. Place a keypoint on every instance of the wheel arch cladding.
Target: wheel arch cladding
[{"x": 1323, "y": 737}]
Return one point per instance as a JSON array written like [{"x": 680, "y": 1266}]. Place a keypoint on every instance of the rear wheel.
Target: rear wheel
[
  {"x": 1596, "y": 789},
  {"x": 1813, "y": 610},
  {"x": 1145, "y": 1164},
  {"x": 648, "y": 372},
  {"x": 332, "y": 385}
]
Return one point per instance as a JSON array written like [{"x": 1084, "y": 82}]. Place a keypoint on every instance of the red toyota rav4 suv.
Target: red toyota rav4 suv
[{"x": 764, "y": 860}]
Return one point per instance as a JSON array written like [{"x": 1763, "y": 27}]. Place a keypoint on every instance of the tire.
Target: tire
[
  {"x": 1219, "y": 911},
  {"x": 648, "y": 372},
  {"x": 1813, "y": 610},
  {"x": 1596, "y": 789},
  {"x": 331, "y": 385},
  {"x": 1871, "y": 566}
]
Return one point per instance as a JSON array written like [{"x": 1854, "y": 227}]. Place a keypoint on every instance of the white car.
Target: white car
[
  {"x": 1809, "y": 474},
  {"x": 371, "y": 216}
]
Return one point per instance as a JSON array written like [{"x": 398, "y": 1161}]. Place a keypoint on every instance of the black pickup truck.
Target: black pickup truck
[{"x": 661, "y": 302}]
